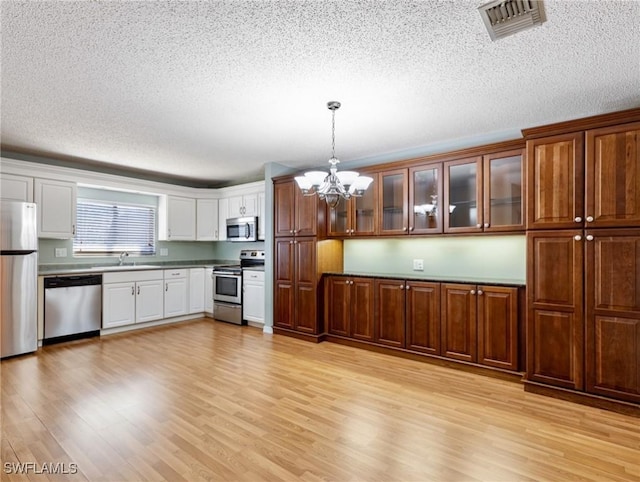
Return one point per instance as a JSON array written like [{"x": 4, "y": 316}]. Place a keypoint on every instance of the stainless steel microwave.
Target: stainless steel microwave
[{"x": 242, "y": 229}]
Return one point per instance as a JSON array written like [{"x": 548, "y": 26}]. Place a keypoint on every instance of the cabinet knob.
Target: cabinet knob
[
  {"x": 401, "y": 287},
  {"x": 291, "y": 231},
  {"x": 408, "y": 287},
  {"x": 404, "y": 228},
  {"x": 478, "y": 225},
  {"x": 589, "y": 237},
  {"x": 290, "y": 242},
  {"x": 410, "y": 228},
  {"x": 350, "y": 282},
  {"x": 589, "y": 219},
  {"x": 295, "y": 231},
  {"x": 578, "y": 219},
  {"x": 480, "y": 292},
  {"x": 577, "y": 237},
  {"x": 353, "y": 231},
  {"x": 486, "y": 225},
  {"x": 473, "y": 292}
]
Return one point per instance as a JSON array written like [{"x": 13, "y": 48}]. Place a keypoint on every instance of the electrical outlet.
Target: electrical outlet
[
  {"x": 418, "y": 265},
  {"x": 164, "y": 251},
  {"x": 61, "y": 253}
]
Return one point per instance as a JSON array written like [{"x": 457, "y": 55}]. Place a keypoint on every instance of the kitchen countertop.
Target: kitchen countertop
[
  {"x": 63, "y": 269},
  {"x": 435, "y": 278}
]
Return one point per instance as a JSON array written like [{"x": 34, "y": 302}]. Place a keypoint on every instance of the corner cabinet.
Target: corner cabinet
[{"x": 56, "y": 201}]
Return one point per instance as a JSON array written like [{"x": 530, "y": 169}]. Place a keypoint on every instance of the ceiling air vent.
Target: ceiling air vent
[{"x": 506, "y": 17}]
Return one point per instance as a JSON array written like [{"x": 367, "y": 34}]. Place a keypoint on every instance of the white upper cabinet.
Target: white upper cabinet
[
  {"x": 207, "y": 228},
  {"x": 16, "y": 188},
  {"x": 177, "y": 219},
  {"x": 56, "y": 202},
  {"x": 223, "y": 214},
  {"x": 245, "y": 205},
  {"x": 261, "y": 215}
]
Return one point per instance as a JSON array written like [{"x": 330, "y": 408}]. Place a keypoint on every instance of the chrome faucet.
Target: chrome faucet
[{"x": 123, "y": 255}]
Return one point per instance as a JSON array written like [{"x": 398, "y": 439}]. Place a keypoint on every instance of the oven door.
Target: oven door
[{"x": 227, "y": 287}]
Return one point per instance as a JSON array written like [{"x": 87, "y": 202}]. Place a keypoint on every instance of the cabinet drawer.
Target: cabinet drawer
[
  {"x": 253, "y": 275},
  {"x": 127, "y": 276},
  {"x": 175, "y": 273}
]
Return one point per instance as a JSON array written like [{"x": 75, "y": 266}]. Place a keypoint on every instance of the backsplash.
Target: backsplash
[
  {"x": 497, "y": 257},
  {"x": 176, "y": 251}
]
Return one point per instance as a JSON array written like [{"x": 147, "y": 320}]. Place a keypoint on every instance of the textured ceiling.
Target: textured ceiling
[{"x": 213, "y": 90}]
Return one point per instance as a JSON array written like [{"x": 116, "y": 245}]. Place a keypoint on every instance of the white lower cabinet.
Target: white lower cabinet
[
  {"x": 253, "y": 296},
  {"x": 208, "y": 290},
  {"x": 196, "y": 290},
  {"x": 131, "y": 297},
  {"x": 149, "y": 301},
  {"x": 176, "y": 301}
]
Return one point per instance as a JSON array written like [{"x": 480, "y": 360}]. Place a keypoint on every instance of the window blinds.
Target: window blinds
[{"x": 107, "y": 227}]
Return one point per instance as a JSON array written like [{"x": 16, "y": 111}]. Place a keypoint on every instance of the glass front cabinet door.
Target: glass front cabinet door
[
  {"x": 503, "y": 196},
  {"x": 393, "y": 195},
  {"x": 463, "y": 195},
  {"x": 425, "y": 199}
]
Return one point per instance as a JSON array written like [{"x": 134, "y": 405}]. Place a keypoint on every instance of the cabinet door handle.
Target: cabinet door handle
[
  {"x": 480, "y": 292},
  {"x": 589, "y": 219},
  {"x": 216, "y": 235},
  {"x": 133, "y": 291},
  {"x": 166, "y": 286},
  {"x": 486, "y": 225},
  {"x": 577, "y": 237},
  {"x": 138, "y": 289},
  {"x": 73, "y": 229},
  {"x": 169, "y": 232},
  {"x": 578, "y": 219},
  {"x": 473, "y": 292},
  {"x": 589, "y": 237}
]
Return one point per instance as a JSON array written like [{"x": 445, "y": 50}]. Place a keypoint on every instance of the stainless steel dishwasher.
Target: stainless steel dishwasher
[{"x": 72, "y": 307}]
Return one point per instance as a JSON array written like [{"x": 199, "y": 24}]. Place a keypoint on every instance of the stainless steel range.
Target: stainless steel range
[
  {"x": 227, "y": 293},
  {"x": 228, "y": 287}
]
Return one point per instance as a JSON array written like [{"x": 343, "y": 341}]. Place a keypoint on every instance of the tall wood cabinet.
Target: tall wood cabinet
[
  {"x": 583, "y": 268},
  {"x": 301, "y": 255}
]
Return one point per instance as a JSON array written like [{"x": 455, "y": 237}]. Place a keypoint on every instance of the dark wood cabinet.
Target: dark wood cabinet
[
  {"x": 555, "y": 182},
  {"x": 613, "y": 176},
  {"x": 498, "y": 326},
  {"x": 555, "y": 323},
  {"x": 425, "y": 199},
  {"x": 463, "y": 195},
  {"x": 613, "y": 313},
  {"x": 459, "y": 322},
  {"x": 503, "y": 191},
  {"x": 390, "y": 312},
  {"x": 357, "y": 216},
  {"x": 393, "y": 189},
  {"x": 296, "y": 214},
  {"x": 423, "y": 316},
  {"x": 349, "y": 309},
  {"x": 284, "y": 286}
]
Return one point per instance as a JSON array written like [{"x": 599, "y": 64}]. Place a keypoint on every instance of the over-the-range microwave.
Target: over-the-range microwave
[{"x": 242, "y": 229}]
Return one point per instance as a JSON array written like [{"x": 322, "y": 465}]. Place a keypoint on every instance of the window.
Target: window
[{"x": 105, "y": 227}]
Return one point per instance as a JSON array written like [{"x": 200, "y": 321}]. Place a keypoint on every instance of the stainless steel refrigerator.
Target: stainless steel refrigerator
[{"x": 18, "y": 278}]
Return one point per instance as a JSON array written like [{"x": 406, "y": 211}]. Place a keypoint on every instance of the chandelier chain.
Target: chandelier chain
[{"x": 333, "y": 133}]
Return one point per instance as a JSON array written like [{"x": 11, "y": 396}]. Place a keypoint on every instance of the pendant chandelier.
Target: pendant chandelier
[{"x": 336, "y": 185}]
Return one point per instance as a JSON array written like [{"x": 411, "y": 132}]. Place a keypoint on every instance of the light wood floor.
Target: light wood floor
[{"x": 211, "y": 401}]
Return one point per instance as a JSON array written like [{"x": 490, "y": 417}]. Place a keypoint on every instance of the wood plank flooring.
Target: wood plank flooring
[{"x": 211, "y": 401}]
